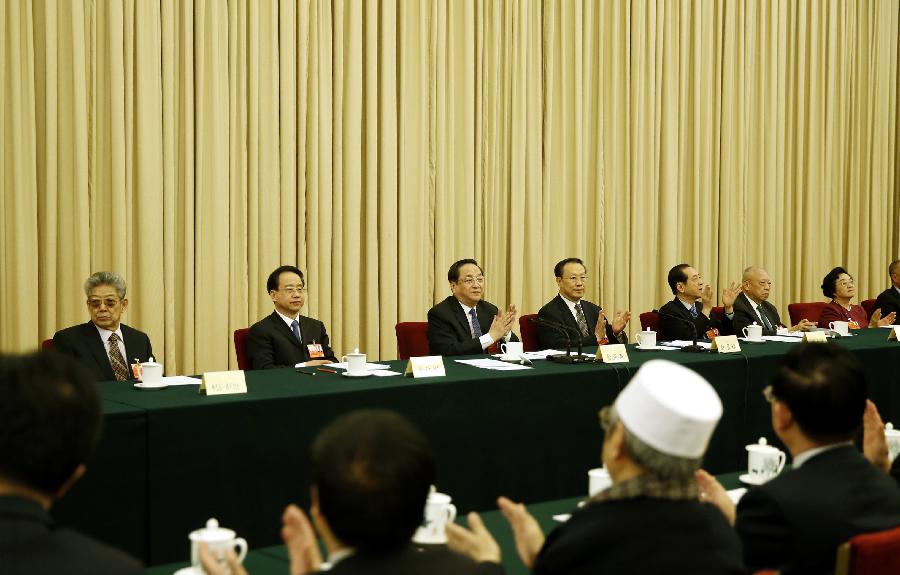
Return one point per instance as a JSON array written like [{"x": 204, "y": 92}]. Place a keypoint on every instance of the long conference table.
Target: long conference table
[{"x": 171, "y": 459}]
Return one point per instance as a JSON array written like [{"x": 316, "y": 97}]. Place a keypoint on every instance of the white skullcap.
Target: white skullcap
[{"x": 670, "y": 408}]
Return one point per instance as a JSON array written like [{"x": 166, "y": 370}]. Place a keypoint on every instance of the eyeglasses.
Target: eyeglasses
[
  {"x": 605, "y": 416},
  {"x": 574, "y": 279},
  {"x": 846, "y": 283},
  {"x": 97, "y": 303},
  {"x": 293, "y": 290},
  {"x": 768, "y": 394},
  {"x": 469, "y": 280}
]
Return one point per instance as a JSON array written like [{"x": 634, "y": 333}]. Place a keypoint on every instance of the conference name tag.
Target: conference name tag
[
  {"x": 223, "y": 382},
  {"x": 425, "y": 366},
  {"x": 818, "y": 336},
  {"x": 726, "y": 344},
  {"x": 895, "y": 333},
  {"x": 615, "y": 353}
]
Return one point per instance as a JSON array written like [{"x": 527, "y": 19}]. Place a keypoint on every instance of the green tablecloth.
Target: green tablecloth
[{"x": 530, "y": 435}]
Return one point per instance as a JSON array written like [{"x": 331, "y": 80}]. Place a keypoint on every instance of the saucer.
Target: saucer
[
  {"x": 748, "y": 340},
  {"x": 145, "y": 387},
  {"x": 513, "y": 358},
  {"x": 651, "y": 348},
  {"x": 348, "y": 374},
  {"x": 189, "y": 571},
  {"x": 749, "y": 480},
  {"x": 422, "y": 540}
]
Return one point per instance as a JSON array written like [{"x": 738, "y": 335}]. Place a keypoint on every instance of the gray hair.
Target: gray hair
[
  {"x": 105, "y": 279},
  {"x": 662, "y": 465}
]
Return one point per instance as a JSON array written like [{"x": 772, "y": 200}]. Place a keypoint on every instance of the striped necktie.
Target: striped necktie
[{"x": 120, "y": 369}]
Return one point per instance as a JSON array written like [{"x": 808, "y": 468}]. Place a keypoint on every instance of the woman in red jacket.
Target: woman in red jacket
[{"x": 840, "y": 287}]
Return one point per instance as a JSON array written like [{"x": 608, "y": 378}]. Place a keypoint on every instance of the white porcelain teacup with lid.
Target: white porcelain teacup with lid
[
  {"x": 764, "y": 461},
  {"x": 218, "y": 539}
]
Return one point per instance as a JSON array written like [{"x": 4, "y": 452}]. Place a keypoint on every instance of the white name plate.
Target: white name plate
[
  {"x": 895, "y": 333},
  {"x": 726, "y": 344},
  {"x": 818, "y": 336},
  {"x": 425, "y": 366},
  {"x": 223, "y": 382},
  {"x": 615, "y": 353}
]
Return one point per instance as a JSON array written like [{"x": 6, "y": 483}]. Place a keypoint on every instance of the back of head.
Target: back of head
[
  {"x": 824, "y": 386},
  {"x": 372, "y": 470},
  {"x": 50, "y": 419},
  {"x": 669, "y": 413}
]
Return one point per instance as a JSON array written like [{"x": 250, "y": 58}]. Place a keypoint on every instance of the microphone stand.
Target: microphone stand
[
  {"x": 693, "y": 348},
  {"x": 566, "y": 331}
]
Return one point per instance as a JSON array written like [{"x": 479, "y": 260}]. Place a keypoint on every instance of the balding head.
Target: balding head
[{"x": 756, "y": 283}]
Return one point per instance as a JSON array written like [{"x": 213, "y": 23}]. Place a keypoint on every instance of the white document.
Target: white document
[
  {"x": 180, "y": 380},
  {"x": 384, "y": 373},
  {"x": 784, "y": 338},
  {"x": 494, "y": 364},
  {"x": 369, "y": 366},
  {"x": 685, "y": 343}
]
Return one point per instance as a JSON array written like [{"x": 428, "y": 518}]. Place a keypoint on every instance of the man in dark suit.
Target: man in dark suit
[
  {"x": 889, "y": 300},
  {"x": 285, "y": 338},
  {"x": 752, "y": 305},
  {"x": 650, "y": 520},
  {"x": 50, "y": 420},
  {"x": 692, "y": 305},
  {"x": 465, "y": 324},
  {"x": 580, "y": 316},
  {"x": 795, "y": 522},
  {"x": 372, "y": 472},
  {"x": 103, "y": 345}
]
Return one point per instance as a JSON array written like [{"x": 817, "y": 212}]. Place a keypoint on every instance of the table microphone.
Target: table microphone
[
  {"x": 566, "y": 331},
  {"x": 693, "y": 348}
]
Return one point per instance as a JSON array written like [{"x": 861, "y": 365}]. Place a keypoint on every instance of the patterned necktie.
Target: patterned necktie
[
  {"x": 116, "y": 360},
  {"x": 582, "y": 323},
  {"x": 764, "y": 318},
  {"x": 476, "y": 327},
  {"x": 295, "y": 327},
  {"x": 694, "y": 312}
]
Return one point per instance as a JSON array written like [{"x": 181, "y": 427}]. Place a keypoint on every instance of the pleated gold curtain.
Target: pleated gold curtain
[{"x": 194, "y": 146}]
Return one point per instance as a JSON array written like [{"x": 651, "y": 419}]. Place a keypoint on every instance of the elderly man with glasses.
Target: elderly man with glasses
[
  {"x": 576, "y": 314},
  {"x": 104, "y": 345},
  {"x": 464, "y": 323},
  {"x": 285, "y": 338}
]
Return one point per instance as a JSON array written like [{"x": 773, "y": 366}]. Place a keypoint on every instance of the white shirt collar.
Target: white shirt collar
[
  {"x": 810, "y": 453},
  {"x": 897, "y": 288},
  {"x": 105, "y": 333},
  {"x": 570, "y": 303},
  {"x": 289, "y": 321},
  {"x": 687, "y": 306}
]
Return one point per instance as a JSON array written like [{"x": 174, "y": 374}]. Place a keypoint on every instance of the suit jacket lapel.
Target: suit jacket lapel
[
  {"x": 484, "y": 317},
  {"x": 566, "y": 314},
  {"x": 286, "y": 330},
  {"x": 98, "y": 350}
]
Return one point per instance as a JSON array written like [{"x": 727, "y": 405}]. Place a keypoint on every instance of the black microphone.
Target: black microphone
[
  {"x": 566, "y": 331},
  {"x": 694, "y": 348}
]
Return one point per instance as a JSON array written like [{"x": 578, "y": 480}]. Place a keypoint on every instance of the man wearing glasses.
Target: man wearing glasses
[
  {"x": 465, "y": 324},
  {"x": 579, "y": 315},
  {"x": 286, "y": 338},
  {"x": 103, "y": 345}
]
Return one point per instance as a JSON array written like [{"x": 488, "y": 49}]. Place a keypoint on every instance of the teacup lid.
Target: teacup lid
[
  {"x": 212, "y": 532},
  {"x": 889, "y": 430},
  {"x": 761, "y": 445},
  {"x": 151, "y": 362},
  {"x": 355, "y": 352}
]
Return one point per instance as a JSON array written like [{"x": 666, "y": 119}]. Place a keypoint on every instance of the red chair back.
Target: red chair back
[
  {"x": 719, "y": 314},
  {"x": 412, "y": 339},
  {"x": 649, "y": 320},
  {"x": 47, "y": 344},
  {"x": 869, "y": 306},
  {"x": 529, "y": 329},
  {"x": 870, "y": 553},
  {"x": 810, "y": 311},
  {"x": 240, "y": 348}
]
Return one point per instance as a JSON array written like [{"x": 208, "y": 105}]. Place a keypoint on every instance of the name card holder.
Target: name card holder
[
  {"x": 726, "y": 344},
  {"x": 895, "y": 333},
  {"x": 817, "y": 336},
  {"x": 223, "y": 383},
  {"x": 615, "y": 353},
  {"x": 425, "y": 366}
]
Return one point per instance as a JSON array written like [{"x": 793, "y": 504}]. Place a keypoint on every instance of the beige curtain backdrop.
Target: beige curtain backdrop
[{"x": 195, "y": 146}]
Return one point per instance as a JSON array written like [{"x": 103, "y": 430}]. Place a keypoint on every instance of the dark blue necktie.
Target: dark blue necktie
[
  {"x": 295, "y": 327},
  {"x": 694, "y": 312},
  {"x": 476, "y": 327}
]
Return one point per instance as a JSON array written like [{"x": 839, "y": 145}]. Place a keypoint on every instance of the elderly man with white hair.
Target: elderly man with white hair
[{"x": 651, "y": 519}]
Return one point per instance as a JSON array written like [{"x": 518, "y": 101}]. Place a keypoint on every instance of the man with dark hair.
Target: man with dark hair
[
  {"x": 50, "y": 421},
  {"x": 372, "y": 472},
  {"x": 464, "y": 323},
  {"x": 285, "y": 338},
  {"x": 650, "y": 520},
  {"x": 103, "y": 345},
  {"x": 580, "y": 316},
  {"x": 888, "y": 301},
  {"x": 693, "y": 305},
  {"x": 795, "y": 522}
]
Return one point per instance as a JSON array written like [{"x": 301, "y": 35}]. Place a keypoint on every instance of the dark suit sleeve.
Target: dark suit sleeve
[
  {"x": 888, "y": 303},
  {"x": 725, "y": 327},
  {"x": 445, "y": 338},
  {"x": 766, "y": 536},
  {"x": 323, "y": 339},
  {"x": 260, "y": 348},
  {"x": 550, "y": 337},
  {"x": 672, "y": 328}
]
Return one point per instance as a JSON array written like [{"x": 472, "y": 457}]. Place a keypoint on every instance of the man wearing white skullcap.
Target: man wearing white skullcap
[{"x": 650, "y": 520}]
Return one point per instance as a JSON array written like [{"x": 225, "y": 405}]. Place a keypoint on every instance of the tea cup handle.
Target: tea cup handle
[
  {"x": 241, "y": 544},
  {"x": 744, "y": 331},
  {"x": 503, "y": 348},
  {"x": 637, "y": 337},
  {"x": 344, "y": 359},
  {"x": 831, "y": 326},
  {"x": 782, "y": 459},
  {"x": 451, "y": 513}
]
